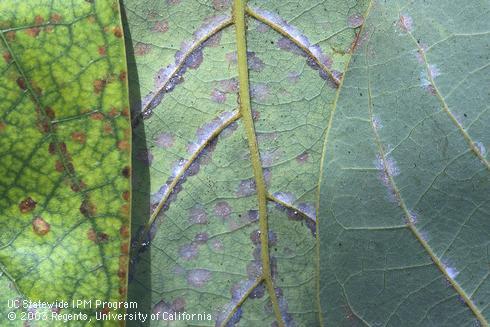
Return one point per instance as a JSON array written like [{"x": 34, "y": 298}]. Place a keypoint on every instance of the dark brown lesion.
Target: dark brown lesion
[
  {"x": 87, "y": 208},
  {"x": 27, "y": 205}
]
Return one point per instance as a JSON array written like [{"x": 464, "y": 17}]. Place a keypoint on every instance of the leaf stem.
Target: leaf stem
[{"x": 246, "y": 111}]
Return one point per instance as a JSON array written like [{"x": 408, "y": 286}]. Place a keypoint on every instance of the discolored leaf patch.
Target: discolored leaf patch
[{"x": 61, "y": 180}]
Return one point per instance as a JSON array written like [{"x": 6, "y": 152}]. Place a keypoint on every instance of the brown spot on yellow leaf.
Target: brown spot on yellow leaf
[
  {"x": 121, "y": 273},
  {"x": 76, "y": 187},
  {"x": 122, "y": 76},
  {"x": 123, "y": 145},
  {"x": 125, "y": 248},
  {"x": 124, "y": 210},
  {"x": 21, "y": 83},
  {"x": 97, "y": 116},
  {"x": 33, "y": 31},
  {"x": 7, "y": 56},
  {"x": 40, "y": 226},
  {"x": 99, "y": 85},
  {"x": 126, "y": 171},
  {"x": 126, "y": 195},
  {"x": 107, "y": 128},
  {"x": 87, "y": 208},
  {"x": 79, "y": 137},
  {"x": 50, "y": 112},
  {"x": 59, "y": 166},
  {"x": 124, "y": 231},
  {"x": 10, "y": 35},
  {"x": 117, "y": 31},
  {"x": 97, "y": 237},
  {"x": 52, "y": 148},
  {"x": 102, "y": 50},
  {"x": 55, "y": 18},
  {"x": 38, "y": 20},
  {"x": 114, "y": 112},
  {"x": 27, "y": 205}
]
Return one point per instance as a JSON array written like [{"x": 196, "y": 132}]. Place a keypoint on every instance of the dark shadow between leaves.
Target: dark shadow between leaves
[{"x": 139, "y": 278}]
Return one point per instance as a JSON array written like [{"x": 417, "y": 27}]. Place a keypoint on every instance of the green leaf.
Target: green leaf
[
  {"x": 404, "y": 204},
  {"x": 65, "y": 146},
  {"x": 229, "y": 120}
]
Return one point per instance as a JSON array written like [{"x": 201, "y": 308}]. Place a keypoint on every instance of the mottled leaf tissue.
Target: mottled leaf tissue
[{"x": 244, "y": 163}]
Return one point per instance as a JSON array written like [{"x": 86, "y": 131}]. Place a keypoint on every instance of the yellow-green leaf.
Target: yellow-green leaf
[{"x": 65, "y": 143}]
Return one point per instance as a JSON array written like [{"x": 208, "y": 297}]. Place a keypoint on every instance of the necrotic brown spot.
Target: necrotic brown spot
[
  {"x": 59, "y": 166},
  {"x": 33, "y": 31},
  {"x": 87, "y": 208},
  {"x": 99, "y": 85},
  {"x": 125, "y": 248},
  {"x": 55, "y": 18},
  {"x": 52, "y": 148},
  {"x": 79, "y": 137},
  {"x": 124, "y": 231},
  {"x": 10, "y": 35},
  {"x": 27, "y": 205},
  {"x": 117, "y": 31},
  {"x": 97, "y": 237},
  {"x": 121, "y": 273},
  {"x": 125, "y": 195},
  {"x": 107, "y": 128},
  {"x": 123, "y": 145},
  {"x": 40, "y": 226},
  {"x": 97, "y": 116},
  {"x": 7, "y": 57},
  {"x": 21, "y": 83},
  {"x": 126, "y": 171},
  {"x": 124, "y": 210}
]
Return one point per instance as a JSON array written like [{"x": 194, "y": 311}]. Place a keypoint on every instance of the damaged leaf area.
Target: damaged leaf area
[
  {"x": 230, "y": 108},
  {"x": 65, "y": 139},
  {"x": 404, "y": 202}
]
